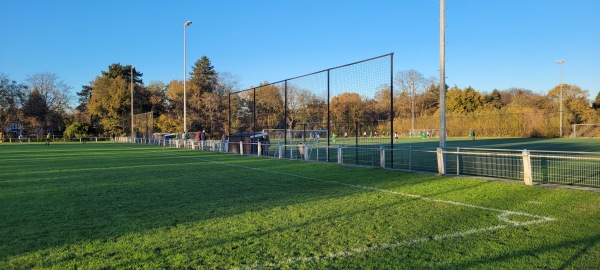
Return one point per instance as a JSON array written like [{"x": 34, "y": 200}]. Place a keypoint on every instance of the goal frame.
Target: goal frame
[
  {"x": 300, "y": 134},
  {"x": 575, "y": 128}
]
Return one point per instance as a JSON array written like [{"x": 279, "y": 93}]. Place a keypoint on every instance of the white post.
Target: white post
[
  {"x": 340, "y": 155},
  {"x": 259, "y": 148},
  {"x": 279, "y": 150},
  {"x": 527, "y": 172},
  {"x": 442, "y": 104},
  {"x": 305, "y": 150},
  {"x": 457, "y": 161},
  {"x": 382, "y": 157},
  {"x": 560, "y": 62},
  {"x": 131, "y": 75},
  {"x": 440, "y": 160},
  {"x": 184, "y": 80},
  {"x": 241, "y": 148}
]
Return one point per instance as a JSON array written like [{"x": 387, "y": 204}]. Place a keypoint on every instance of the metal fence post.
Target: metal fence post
[
  {"x": 457, "y": 160},
  {"x": 410, "y": 158},
  {"x": 440, "y": 161},
  {"x": 382, "y": 157},
  {"x": 527, "y": 172},
  {"x": 339, "y": 154}
]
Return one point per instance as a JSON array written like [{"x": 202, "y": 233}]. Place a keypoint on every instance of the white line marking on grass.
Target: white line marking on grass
[
  {"x": 534, "y": 202},
  {"x": 358, "y": 251},
  {"x": 502, "y": 216}
]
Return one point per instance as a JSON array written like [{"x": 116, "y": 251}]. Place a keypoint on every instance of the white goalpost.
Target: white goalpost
[
  {"x": 585, "y": 131},
  {"x": 310, "y": 135}
]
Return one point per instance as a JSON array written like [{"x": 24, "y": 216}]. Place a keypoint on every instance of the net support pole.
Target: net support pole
[
  {"x": 328, "y": 115},
  {"x": 392, "y": 109},
  {"x": 229, "y": 115}
]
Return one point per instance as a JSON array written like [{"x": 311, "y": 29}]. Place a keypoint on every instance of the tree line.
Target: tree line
[
  {"x": 42, "y": 104},
  {"x": 513, "y": 112}
]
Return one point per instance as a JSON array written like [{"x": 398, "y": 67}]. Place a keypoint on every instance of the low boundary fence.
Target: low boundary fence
[{"x": 551, "y": 167}]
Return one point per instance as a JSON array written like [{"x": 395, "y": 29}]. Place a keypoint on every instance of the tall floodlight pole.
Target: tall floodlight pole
[
  {"x": 442, "y": 162},
  {"x": 412, "y": 101},
  {"x": 132, "y": 136},
  {"x": 560, "y": 62},
  {"x": 184, "y": 80}
]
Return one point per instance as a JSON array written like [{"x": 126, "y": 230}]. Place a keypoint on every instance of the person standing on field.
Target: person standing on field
[
  {"x": 472, "y": 134},
  {"x": 198, "y": 138},
  {"x": 203, "y": 139},
  {"x": 48, "y": 139}
]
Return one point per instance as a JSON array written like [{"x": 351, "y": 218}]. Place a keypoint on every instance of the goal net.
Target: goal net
[
  {"x": 419, "y": 133},
  {"x": 585, "y": 131},
  {"x": 143, "y": 125},
  {"x": 293, "y": 135}
]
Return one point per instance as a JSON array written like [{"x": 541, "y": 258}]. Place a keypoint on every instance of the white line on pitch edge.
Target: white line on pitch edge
[{"x": 502, "y": 216}]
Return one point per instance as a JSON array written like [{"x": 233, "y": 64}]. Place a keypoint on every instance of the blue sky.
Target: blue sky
[{"x": 490, "y": 43}]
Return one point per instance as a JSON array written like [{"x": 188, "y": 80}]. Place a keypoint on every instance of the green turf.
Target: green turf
[
  {"x": 549, "y": 144},
  {"x": 546, "y": 144},
  {"x": 106, "y": 206}
]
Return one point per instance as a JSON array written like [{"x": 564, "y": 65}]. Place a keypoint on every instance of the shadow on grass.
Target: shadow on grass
[
  {"x": 552, "y": 144},
  {"x": 74, "y": 206},
  {"x": 573, "y": 244}
]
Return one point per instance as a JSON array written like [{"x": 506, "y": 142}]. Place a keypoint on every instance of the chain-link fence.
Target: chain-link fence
[
  {"x": 350, "y": 105},
  {"x": 143, "y": 125}
]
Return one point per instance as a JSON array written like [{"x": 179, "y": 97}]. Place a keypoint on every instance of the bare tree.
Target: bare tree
[
  {"x": 412, "y": 82},
  {"x": 54, "y": 91},
  {"x": 55, "y": 95}
]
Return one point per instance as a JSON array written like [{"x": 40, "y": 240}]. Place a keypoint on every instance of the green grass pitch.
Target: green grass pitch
[{"x": 110, "y": 206}]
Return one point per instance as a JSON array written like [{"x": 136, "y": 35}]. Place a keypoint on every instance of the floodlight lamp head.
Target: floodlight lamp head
[
  {"x": 560, "y": 61},
  {"x": 187, "y": 23}
]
